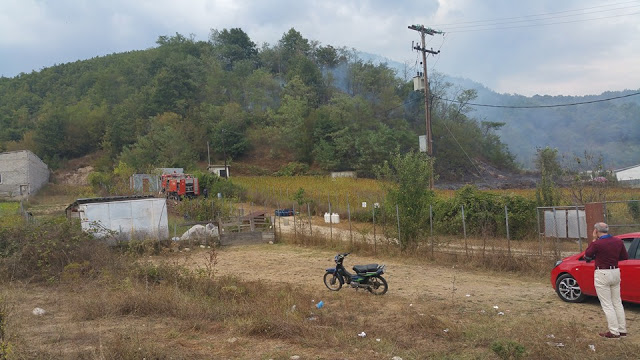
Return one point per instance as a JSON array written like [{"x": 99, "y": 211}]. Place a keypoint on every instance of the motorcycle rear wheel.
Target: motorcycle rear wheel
[
  {"x": 332, "y": 282},
  {"x": 378, "y": 285}
]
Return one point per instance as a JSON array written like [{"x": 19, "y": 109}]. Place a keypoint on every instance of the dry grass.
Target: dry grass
[{"x": 163, "y": 310}]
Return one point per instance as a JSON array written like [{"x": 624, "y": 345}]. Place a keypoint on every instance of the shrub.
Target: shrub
[
  {"x": 484, "y": 214},
  {"x": 46, "y": 250}
]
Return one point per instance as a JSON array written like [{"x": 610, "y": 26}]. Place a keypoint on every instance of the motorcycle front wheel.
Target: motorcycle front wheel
[
  {"x": 332, "y": 282},
  {"x": 378, "y": 285}
]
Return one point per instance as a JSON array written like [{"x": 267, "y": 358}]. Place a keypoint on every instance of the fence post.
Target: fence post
[
  {"x": 578, "y": 222},
  {"x": 295, "y": 229},
  {"x": 539, "y": 232},
  {"x": 506, "y": 216},
  {"x": 431, "y": 227},
  {"x": 330, "y": 218},
  {"x": 373, "y": 211},
  {"x": 555, "y": 228},
  {"x": 464, "y": 231},
  {"x": 398, "y": 217},
  {"x": 279, "y": 219},
  {"x": 349, "y": 215},
  {"x": 310, "y": 227}
]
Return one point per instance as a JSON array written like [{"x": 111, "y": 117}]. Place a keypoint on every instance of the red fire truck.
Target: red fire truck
[{"x": 177, "y": 186}]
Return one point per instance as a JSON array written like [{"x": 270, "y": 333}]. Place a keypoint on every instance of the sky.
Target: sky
[{"x": 544, "y": 47}]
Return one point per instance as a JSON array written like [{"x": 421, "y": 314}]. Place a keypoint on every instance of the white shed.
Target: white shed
[
  {"x": 122, "y": 217},
  {"x": 220, "y": 170}
]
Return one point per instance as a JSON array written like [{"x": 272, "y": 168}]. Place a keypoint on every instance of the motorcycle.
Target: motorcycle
[{"x": 366, "y": 277}]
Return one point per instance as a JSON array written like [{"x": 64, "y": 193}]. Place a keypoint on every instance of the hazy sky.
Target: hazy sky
[{"x": 573, "y": 47}]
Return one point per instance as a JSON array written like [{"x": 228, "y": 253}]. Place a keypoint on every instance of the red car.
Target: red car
[{"x": 572, "y": 277}]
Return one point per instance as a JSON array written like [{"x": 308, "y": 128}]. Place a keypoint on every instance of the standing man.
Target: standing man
[{"x": 608, "y": 250}]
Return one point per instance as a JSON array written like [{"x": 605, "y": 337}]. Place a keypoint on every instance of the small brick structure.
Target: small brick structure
[{"x": 22, "y": 174}]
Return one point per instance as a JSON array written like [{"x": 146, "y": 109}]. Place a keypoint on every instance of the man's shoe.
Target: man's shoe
[
  {"x": 623, "y": 334},
  {"x": 609, "y": 335}
]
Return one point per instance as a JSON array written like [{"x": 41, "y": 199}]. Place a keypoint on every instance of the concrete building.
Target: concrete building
[
  {"x": 629, "y": 175},
  {"x": 220, "y": 170},
  {"x": 22, "y": 174}
]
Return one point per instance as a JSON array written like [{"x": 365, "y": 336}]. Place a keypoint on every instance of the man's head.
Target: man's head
[{"x": 600, "y": 229}]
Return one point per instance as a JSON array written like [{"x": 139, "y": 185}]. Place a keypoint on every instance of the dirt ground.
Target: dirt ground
[{"x": 409, "y": 282}]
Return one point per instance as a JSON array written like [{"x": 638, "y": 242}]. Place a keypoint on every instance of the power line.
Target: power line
[
  {"x": 539, "y": 106},
  {"x": 546, "y": 24},
  {"x": 543, "y": 19},
  {"x": 536, "y": 15}
]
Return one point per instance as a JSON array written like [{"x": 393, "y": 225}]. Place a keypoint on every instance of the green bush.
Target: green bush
[
  {"x": 484, "y": 214},
  {"x": 293, "y": 169},
  {"x": 43, "y": 251},
  {"x": 202, "y": 209},
  {"x": 508, "y": 349}
]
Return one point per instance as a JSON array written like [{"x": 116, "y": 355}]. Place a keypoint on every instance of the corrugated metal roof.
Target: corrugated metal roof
[{"x": 107, "y": 199}]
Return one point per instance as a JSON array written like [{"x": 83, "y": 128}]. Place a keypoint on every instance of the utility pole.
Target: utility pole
[
  {"x": 423, "y": 31},
  {"x": 224, "y": 153}
]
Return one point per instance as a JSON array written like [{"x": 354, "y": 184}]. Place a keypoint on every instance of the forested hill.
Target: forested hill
[
  {"x": 292, "y": 106},
  {"x": 610, "y": 129}
]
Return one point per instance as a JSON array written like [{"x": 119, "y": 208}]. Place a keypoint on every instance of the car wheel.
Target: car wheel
[{"x": 568, "y": 289}]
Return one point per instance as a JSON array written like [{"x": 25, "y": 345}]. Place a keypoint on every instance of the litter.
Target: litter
[
  {"x": 446, "y": 330},
  {"x": 500, "y": 313},
  {"x": 320, "y": 304},
  {"x": 495, "y": 307},
  {"x": 592, "y": 347},
  {"x": 468, "y": 295},
  {"x": 555, "y": 344},
  {"x": 551, "y": 336},
  {"x": 38, "y": 311},
  {"x": 362, "y": 334},
  {"x": 378, "y": 340}
]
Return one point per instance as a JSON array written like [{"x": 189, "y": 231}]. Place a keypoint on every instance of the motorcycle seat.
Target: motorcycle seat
[{"x": 365, "y": 268}]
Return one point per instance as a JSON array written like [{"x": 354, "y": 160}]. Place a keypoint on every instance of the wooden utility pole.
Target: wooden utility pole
[{"x": 423, "y": 31}]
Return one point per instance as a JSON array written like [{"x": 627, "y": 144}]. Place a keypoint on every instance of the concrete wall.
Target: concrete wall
[
  {"x": 629, "y": 174},
  {"x": 246, "y": 238},
  {"x": 22, "y": 174}
]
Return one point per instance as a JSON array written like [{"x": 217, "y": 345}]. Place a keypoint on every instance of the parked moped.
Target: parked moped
[{"x": 367, "y": 277}]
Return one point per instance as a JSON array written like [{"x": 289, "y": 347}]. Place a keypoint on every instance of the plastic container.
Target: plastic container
[
  {"x": 320, "y": 304},
  {"x": 335, "y": 218},
  {"x": 327, "y": 218}
]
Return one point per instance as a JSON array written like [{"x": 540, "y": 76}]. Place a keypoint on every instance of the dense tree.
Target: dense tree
[
  {"x": 296, "y": 100},
  {"x": 231, "y": 46}
]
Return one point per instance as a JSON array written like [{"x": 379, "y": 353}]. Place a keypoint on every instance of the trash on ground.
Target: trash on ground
[
  {"x": 362, "y": 334},
  {"x": 38, "y": 311},
  {"x": 200, "y": 232},
  {"x": 320, "y": 304},
  {"x": 592, "y": 347}
]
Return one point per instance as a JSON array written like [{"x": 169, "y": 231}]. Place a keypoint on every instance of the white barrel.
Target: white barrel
[
  {"x": 335, "y": 218},
  {"x": 326, "y": 217}
]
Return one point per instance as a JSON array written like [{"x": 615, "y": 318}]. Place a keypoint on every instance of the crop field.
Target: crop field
[{"x": 321, "y": 189}]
